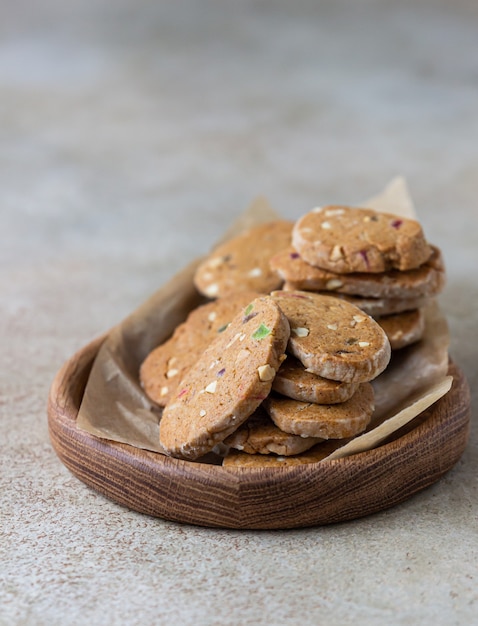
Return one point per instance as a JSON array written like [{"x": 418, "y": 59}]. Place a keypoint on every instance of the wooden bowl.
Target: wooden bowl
[{"x": 267, "y": 498}]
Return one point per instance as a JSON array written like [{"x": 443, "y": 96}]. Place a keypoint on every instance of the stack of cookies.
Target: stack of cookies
[
  {"x": 379, "y": 262},
  {"x": 225, "y": 396},
  {"x": 322, "y": 390},
  {"x": 277, "y": 366}
]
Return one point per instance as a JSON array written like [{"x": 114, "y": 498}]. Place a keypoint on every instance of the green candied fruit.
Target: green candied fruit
[
  {"x": 261, "y": 332},
  {"x": 249, "y": 309}
]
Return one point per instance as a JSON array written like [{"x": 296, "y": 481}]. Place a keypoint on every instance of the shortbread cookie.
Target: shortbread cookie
[
  {"x": 344, "y": 239},
  {"x": 333, "y": 338},
  {"x": 294, "y": 381},
  {"x": 259, "y": 435},
  {"x": 165, "y": 366},
  {"x": 228, "y": 383},
  {"x": 242, "y": 263},
  {"x": 236, "y": 458},
  {"x": 427, "y": 280},
  {"x": 329, "y": 421},
  {"x": 403, "y": 329},
  {"x": 375, "y": 307},
  {"x": 378, "y": 307}
]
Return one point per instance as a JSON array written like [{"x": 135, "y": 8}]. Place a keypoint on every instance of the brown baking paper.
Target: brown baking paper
[{"x": 115, "y": 407}]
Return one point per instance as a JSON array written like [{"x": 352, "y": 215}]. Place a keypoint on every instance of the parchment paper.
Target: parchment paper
[{"x": 115, "y": 407}]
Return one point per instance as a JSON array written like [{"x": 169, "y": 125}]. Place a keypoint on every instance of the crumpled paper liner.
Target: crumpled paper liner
[{"x": 115, "y": 407}]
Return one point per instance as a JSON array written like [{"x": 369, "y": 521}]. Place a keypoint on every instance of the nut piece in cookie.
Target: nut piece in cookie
[
  {"x": 344, "y": 239},
  {"x": 259, "y": 435},
  {"x": 242, "y": 263},
  {"x": 333, "y": 338},
  {"x": 329, "y": 421},
  {"x": 165, "y": 366},
  {"x": 228, "y": 383}
]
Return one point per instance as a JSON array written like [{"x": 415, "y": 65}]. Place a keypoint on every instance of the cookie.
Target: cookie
[
  {"x": 242, "y": 263},
  {"x": 294, "y": 381},
  {"x": 375, "y": 307},
  {"x": 427, "y": 280},
  {"x": 344, "y": 239},
  {"x": 165, "y": 366},
  {"x": 259, "y": 435},
  {"x": 329, "y": 421},
  {"x": 228, "y": 383},
  {"x": 403, "y": 329},
  {"x": 236, "y": 458},
  {"x": 333, "y": 338}
]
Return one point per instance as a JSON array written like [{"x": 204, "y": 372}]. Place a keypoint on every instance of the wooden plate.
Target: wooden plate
[{"x": 294, "y": 496}]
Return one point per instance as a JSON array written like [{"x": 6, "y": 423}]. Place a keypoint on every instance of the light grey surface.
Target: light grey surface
[{"x": 132, "y": 134}]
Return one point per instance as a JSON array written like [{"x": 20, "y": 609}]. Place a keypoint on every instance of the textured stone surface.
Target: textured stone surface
[{"x": 132, "y": 135}]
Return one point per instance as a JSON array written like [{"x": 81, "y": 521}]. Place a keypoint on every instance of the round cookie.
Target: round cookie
[
  {"x": 242, "y": 263},
  {"x": 236, "y": 458},
  {"x": 375, "y": 307},
  {"x": 228, "y": 383},
  {"x": 165, "y": 366},
  {"x": 378, "y": 307},
  {"x": 403, "y": 329},
  {"x": 329, "y": 421},
  {"x": 259, "y": 435},
  {"x": 333, "y": 338},
  {"x": 345, "y": 239},
  {"x": 294, "y": 381},
  {"x": 427, "y": 280}
]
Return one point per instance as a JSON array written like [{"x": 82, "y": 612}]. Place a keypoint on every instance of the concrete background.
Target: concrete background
[{"x": 131, "y": 135}]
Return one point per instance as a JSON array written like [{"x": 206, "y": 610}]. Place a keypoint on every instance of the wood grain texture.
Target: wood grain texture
[{"x": 259, "y": 498}]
